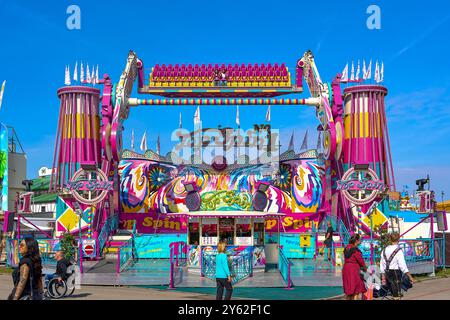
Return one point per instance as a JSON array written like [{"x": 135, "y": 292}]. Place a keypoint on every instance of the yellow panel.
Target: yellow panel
[
  {"x": 378, "y": 219},
  {"x": 305, "y": 240}
]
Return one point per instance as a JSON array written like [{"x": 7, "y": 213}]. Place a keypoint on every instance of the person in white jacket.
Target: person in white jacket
[{"x": 393, "y": 265}]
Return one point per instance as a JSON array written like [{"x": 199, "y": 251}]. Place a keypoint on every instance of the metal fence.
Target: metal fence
[
  {"x": 125, "y": 255},
  {"x": 241, "y": 265},
  {"x": 284, "y": 266},
  {"x": 111, "y": 224}
]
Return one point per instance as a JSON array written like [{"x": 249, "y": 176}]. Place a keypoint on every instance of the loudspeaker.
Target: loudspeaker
[
  {"x": 441, "y": 218},
  {"x": 260, "y": 198},
  {"x": 193, "y": 201}
]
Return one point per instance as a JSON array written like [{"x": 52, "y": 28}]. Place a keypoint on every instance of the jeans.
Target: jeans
[{"x": 223, "y": 283}]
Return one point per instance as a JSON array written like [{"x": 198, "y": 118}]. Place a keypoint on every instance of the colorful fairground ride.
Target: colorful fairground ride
[{"x": 271, "y": 211}]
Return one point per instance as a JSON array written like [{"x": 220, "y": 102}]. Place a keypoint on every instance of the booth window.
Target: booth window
[
  {"x": 258, "y": 233},
  {"x": 226, "y": 230},
  {"x": 209, "y": 230},
  {"x": 243, "y": 230},
  {"x": 194, "y": 233}
]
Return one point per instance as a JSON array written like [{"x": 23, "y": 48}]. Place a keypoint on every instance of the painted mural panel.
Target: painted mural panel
[{"x": 149, "y": 190}]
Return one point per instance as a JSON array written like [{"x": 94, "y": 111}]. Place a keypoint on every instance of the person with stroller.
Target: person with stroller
[
  {"x": 393, "y": 266},
  {"x": 351, "y": 276},
  {"x": 62, "y": 264}
]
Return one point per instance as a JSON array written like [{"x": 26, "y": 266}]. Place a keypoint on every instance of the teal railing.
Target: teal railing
[
  {"x": 343, "y": 232},
  {"x": 178, "y": 260},
  {"x": 125, "y": 255},
  {"x": 111, "y": 224},
  {"x": 241, "y": 265},
  {"x": 284, "y": 266}
]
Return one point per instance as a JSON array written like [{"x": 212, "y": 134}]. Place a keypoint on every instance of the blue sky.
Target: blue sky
[{"x": 413, "y": 43}]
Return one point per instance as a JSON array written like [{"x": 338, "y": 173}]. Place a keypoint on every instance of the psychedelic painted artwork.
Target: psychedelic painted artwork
[
  {"x": 148, "y": 186},
  {"x": 152, "y": 188}
]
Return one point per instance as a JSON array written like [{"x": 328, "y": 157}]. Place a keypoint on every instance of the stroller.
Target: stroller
[{"x": 385, "y": 293}]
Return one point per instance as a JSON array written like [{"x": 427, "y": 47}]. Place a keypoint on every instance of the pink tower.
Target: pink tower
[{"x": 78, "y": 132}]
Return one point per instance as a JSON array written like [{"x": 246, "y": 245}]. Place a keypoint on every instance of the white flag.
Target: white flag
[
  {"x": 364, "y": 70},
  {"x": 1, "y": 93},
  {"x": 377, "y": 73},
  {"x": 197, "y": 116},
  {"x": 144, "y": 142},
  {"x": 132, "y": 139},
  {"x": 344, "y": 77},
  {"x": 268, "y": 114},
  {"x": 88, "y": 74},
  {"x": 369, "y": 70},
  {"x": 67, "y": 77},
  {"x": 352, "y": 76},
  {"x": 238, "y": 121},
  {"x": 158, "y": 146},
  {"x": 358, "y": 70},
  {"x": 75, "y": 72},
  {"x": 382, "y": 72},
  {"x": 81, "y": 73}
]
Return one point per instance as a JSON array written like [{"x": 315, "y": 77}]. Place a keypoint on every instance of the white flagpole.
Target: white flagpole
[
  {"x": 96, "y": 75},
  {"x": 238, "y": 121},
  {"x": 377, "y": 73},
  {"x": 197, "y": 115},
  {"x": 81, "y": 73},
  {"x": 358, "y": 70},
  {"x": 2, "y": 90},
  {"x": 268, "y": 114},
  {"x": 352, "y": 76},
  {"x": 180, "y": 124},
  {"x": 143, "y": 145},
  {"x": 67, "y": 77},
  {"x": 364, "y": 70},
  {"x": 88, "y": 74},
  {"x": 369, "y": 70},
  {"x": 344, "y": 77},
  {"x": 382, "y": 72},
  {"x": 75, "y": 72},
  {"x": 132, "y": 139}
]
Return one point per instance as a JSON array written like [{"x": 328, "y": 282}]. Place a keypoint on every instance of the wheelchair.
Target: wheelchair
[{"x": 59, "y": 288}]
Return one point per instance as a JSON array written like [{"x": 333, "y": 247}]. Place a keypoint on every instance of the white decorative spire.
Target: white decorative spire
[
  {"x": 344, "y": 77},
  {"x": 81, "y": 73},
  {"x": 75, "y": 72}
]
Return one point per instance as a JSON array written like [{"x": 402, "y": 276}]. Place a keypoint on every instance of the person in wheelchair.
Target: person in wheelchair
[
  {"x": 393, "y": 267},
  {"x": 62, "y": 264}
]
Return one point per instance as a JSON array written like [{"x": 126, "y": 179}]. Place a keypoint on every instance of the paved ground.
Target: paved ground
[
  {"x": 115, "y": 293},
  {"x": 434, "y": 289}
]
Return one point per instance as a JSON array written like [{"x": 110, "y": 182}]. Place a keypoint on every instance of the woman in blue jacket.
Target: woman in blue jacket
[{"x": 223, "y": 274}]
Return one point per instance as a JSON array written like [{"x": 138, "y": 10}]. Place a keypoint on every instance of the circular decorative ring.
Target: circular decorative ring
[{"x": 360, "y": 197}]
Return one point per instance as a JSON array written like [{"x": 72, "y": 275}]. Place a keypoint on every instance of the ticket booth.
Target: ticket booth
[{"x": 238, "y": 229}]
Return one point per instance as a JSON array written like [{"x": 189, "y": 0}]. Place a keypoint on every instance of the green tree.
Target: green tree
[{"x": 67, "y": 242}]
